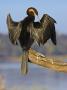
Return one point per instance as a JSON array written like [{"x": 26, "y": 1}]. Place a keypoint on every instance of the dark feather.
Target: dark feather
[
  {"x": 18, "y": 32},
  {"x": 14, "y": 29},
  {"x": 43, "y": 30}
]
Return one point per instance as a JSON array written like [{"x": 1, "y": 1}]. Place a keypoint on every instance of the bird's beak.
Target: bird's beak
[{"x": 36, "y": 13}]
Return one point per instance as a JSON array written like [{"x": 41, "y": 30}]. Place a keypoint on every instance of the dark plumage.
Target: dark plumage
[
  {"x": 27, "y": 31},
  {"x": 18, "y": 32},
  {"x": 43, "y": 30}
]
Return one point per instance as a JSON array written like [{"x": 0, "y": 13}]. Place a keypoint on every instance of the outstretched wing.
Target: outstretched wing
[
  {"x": 43, "y": 30},
  {"x": 14, "y": 29},
  {"x": 49, "y": 28}
]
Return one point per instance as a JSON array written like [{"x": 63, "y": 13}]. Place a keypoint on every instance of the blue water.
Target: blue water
[{"x": 37, "y": 76}]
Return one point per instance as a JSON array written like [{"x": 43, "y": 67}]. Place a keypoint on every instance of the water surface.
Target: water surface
[{"x": 38, "y": 78}]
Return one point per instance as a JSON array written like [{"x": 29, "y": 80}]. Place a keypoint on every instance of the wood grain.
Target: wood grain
[{"x": 45, "y": 61}]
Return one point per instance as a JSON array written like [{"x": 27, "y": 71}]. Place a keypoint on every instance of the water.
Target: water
[{"x": 38, "y": 78}]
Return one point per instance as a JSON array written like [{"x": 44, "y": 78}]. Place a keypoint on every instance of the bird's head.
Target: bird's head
[{"x": 32, "y": 11}]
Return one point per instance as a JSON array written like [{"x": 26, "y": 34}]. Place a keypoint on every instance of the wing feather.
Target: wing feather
[
  {"x": 49, "y": 28},
  {"x": 43, "y": 30},
  {"x": 14, "y": 29}
]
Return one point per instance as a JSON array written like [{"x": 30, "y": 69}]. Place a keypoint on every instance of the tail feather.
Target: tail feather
[{"x": 24, "y": 64}]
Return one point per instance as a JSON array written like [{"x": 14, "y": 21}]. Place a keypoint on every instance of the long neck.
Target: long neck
[
  {"x": 31, "y": 18},
  {"x": 28, "y": 20}
]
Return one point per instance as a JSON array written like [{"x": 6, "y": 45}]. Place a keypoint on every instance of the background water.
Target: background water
[{"x": 37, "y": 78}]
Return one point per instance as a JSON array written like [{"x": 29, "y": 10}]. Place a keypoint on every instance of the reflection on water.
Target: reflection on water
[{"x": 37, "y": 79}]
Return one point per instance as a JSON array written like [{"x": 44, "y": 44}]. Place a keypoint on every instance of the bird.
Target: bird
[
  {"x": 17, "y": 32},
  {"x": 27, "y": 31}
]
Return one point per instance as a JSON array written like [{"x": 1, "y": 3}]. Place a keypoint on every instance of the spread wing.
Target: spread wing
[
  {"x": 14, "y": 29},
  {"x": 43, "y": 30},
  {"x": 49, "y": 28}
]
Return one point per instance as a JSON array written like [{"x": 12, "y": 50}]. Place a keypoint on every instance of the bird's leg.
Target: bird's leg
[{"x": 24, "y": 63}]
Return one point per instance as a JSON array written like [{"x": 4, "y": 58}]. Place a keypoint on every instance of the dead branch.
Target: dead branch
[{"x": 40, "y": 59}]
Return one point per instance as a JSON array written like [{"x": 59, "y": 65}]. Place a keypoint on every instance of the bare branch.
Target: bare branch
[{"x": 40, "y": 59}]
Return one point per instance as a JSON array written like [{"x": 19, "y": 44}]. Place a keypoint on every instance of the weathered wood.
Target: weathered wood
[{"x": 51, "y": 63}]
